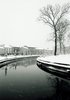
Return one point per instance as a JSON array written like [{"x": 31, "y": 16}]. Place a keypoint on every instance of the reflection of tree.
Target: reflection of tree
[
  {"x": 13, "y": 65},
  {"x": 62, "y": 88},
  {"x": 5, "y": 71},
  {"x": 25, "y": 63}
]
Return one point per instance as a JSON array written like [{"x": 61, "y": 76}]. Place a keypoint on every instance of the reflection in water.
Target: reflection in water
[
  {"x": 62, "y": 90},
  {"x": 25, "y": 81},
  {"x": 25, "y": 63},
  {"x": 5, "y": 71},
  {"x": 61, "y": 87}
]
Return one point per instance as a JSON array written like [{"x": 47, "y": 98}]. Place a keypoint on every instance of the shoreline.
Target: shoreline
[{"x": 10, "y": 59}]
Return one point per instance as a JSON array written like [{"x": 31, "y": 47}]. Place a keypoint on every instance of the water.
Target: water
[{"x": 23, "y": 80}]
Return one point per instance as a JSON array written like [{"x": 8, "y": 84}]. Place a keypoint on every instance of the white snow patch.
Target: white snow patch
[{"x": 65, "y": 59}]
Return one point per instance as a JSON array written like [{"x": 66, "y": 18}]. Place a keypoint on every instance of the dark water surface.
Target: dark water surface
[{"x": 23, "y": 80}]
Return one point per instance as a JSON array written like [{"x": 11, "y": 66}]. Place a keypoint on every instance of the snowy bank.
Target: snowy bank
[
  {"x": 57, "y": 65},
  {"x": 65, "y": 59},
  {"x": 61, "y": 61}
]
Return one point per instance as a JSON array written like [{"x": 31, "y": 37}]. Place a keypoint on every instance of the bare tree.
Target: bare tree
[
  {"x": 52, "y": 15},
  {"x": 62, "y": 28}
]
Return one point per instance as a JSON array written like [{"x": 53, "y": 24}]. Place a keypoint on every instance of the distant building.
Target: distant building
[
  {"x": 25, "y": 50},
  {"x": 2, "y": 51},
  {"x": 15, "y": 50},
  {"x": 31, "y": 50}
]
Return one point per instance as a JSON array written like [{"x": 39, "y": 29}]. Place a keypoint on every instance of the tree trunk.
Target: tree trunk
[
  {"x": 60, "y": 46},
  {"x": 63, "y": 49},
  {"x": 55, "y": 47}
]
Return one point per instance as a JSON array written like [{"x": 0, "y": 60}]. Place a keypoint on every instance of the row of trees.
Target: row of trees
[{"x": 55, "y": 17}]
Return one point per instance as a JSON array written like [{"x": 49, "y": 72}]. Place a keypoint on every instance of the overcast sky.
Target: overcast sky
[{"x": 19, "y": 25}]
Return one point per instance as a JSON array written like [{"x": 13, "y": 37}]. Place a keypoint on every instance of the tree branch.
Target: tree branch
[
  {"x": 45, "y": 12},
  {"x": 51, "y": 9},
  {"x": 46, "y": 21}
]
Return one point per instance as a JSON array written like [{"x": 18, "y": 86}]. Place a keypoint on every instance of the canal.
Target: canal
[{"x": 24, "y": 80}]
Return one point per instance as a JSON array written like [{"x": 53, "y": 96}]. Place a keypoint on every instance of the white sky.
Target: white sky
[{"x": 19, "y": 25}]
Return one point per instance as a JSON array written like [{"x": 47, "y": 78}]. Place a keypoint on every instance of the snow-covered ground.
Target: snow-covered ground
[{"x": 65, "y": 59}]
